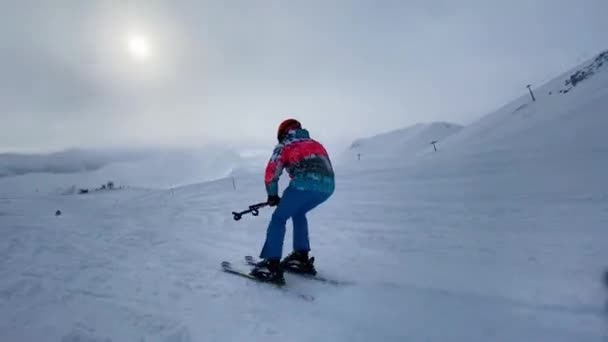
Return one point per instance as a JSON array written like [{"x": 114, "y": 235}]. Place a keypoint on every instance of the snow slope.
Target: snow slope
[
  {"x": 555, "y": 121},
  {"x": 499, "y": 236},
  {"x": 399, "y": 144}
]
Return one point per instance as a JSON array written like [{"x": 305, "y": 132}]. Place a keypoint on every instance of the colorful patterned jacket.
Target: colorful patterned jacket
[{"x": 306, "y": 162}]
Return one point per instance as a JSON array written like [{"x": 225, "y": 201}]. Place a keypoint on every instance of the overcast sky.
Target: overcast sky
[{"x": 108, "y": 73}]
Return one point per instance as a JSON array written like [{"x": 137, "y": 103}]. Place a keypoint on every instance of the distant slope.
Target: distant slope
[
  {"x": 568, "y": 116},
  {"x": 151, "y": 168},
  {"x": 69, "y": 161},
  {"x": 569, "y": 113},
  {"x": 400, "y": 144}
]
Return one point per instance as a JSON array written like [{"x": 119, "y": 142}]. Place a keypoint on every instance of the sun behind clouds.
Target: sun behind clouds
[{"x": 138, "y": 47}]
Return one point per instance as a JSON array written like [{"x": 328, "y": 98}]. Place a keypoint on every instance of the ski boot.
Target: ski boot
[
  {"x": 269, "y": 270},
  {"x": 299, "y": 262}
]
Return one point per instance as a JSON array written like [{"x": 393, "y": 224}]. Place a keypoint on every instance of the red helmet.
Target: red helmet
[{"x": 287, "y": 125}]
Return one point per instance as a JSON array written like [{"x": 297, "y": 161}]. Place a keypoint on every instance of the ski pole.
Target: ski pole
[{"x": 253, "y": 209}]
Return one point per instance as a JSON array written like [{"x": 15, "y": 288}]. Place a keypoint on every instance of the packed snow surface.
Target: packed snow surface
[{"x": 500, "y": 235}]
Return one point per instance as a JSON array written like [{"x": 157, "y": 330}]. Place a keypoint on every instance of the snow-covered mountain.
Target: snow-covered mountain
[
  {"x": 500, "y": 235},
  {"x": 142, "y": 168},
  {"x": 69, "y": 161}
]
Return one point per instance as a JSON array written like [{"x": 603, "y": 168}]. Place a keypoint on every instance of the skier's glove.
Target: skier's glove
[{"x": 273, "y": 200}]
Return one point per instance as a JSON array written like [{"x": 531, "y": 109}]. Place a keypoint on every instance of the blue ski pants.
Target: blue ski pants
[{"x": 294, "y": 204}]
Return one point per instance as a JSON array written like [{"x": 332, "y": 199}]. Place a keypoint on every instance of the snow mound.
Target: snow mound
[{"x": 402, "y": 143}]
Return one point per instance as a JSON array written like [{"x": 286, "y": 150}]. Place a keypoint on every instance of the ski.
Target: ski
[
  {"x": 250, "y": 260},
  {"x": 229, "y": 268}
]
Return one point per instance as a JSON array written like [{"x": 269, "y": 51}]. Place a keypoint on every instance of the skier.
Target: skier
[{"x": 312, "y": 183}]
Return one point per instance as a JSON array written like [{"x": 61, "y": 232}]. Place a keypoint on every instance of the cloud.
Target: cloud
[{"x": 231, "y": 72}]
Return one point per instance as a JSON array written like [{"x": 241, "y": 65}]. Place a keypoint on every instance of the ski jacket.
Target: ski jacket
[{"x": 306, "y": 161}]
